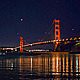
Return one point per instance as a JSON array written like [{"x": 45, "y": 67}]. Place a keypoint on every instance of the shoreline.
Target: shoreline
[{"x": 36, "y": 53}]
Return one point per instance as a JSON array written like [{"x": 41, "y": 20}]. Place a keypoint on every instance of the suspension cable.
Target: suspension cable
[{"x": 48, "y": 32}]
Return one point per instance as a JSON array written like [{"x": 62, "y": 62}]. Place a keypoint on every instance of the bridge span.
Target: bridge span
[
  {"x": 64, "y": 41},
  {"x": 39, "y": 43}
]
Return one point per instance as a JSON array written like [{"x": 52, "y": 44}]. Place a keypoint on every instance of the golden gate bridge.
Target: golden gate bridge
[{"x": 56, "y": 41}]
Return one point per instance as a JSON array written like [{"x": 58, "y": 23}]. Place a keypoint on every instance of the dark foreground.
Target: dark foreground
[{"x": 40, "y": 66}]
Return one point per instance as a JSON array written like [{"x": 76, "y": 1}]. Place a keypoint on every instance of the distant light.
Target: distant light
[
  {"x": 45, "y": 32},
  {"x": 57, "y": 39},
  {"x": 41, "y": 39},
  {"x": 31, "y": 44},
  {"x": 70, "y": 38},
  {"x": 66, "y": 39},
  {"x": 17, "y": 33},
  {"x": 76, "y": 40},
  {"x": 21, "y": 19},
  {"x": 72, "y": 29},
  {"x": 38, "y": 39},
  {"x": 60, "y": 40},
  {"x": 77, "y": 44}
]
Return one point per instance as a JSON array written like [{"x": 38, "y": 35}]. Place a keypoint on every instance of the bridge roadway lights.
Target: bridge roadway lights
[{"x": 56, "y": 42}]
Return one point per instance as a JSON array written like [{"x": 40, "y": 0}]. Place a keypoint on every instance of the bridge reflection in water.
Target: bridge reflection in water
[{"x": 38, "y": 67}]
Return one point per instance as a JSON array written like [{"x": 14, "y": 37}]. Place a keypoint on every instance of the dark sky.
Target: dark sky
[{"x": 38, "y": 16}]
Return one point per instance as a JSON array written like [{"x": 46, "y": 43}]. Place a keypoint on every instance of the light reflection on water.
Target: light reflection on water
[{"x": 40, "y": 67}]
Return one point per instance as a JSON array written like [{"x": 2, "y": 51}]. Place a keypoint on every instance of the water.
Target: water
[{"x": 40, "y": 67}]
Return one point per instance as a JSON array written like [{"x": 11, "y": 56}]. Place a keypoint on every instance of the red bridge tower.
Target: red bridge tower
[
  {"x": 21, "y": 44},
  {"x": 57, "y": 31}
]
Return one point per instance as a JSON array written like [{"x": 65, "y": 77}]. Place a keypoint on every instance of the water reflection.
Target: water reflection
[{"x": 40, "y": 67}]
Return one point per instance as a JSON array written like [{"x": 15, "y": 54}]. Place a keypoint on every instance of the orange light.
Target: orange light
[
  {"x": 70, "y": 38},
  {"x": 66, "y": 39}
]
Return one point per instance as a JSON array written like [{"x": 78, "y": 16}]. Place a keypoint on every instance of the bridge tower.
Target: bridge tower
[
  {"x": 57, "y": 31},
  {"x": 21, "y": 44}
]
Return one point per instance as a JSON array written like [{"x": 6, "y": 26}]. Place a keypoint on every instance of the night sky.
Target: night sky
[{"x": 37, "y": 16}]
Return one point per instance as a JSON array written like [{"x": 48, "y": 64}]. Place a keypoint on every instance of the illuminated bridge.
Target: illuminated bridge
[
  {"x": 57, "y": 41},
  {"x": 60, "y": 42},
  {"x": 39, "y": 43}
]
